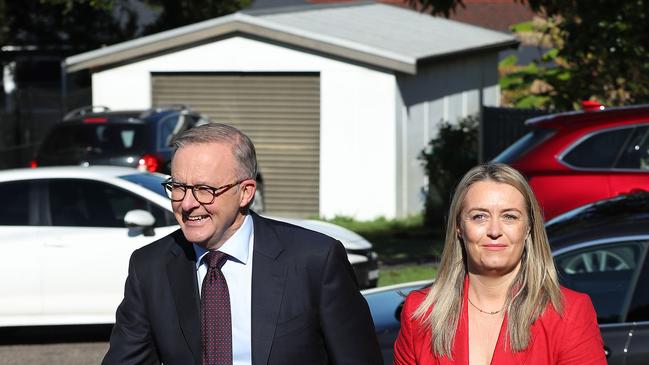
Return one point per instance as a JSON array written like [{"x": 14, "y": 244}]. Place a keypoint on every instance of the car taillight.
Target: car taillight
[
  {"x": 33, "y": 164},
  {"x": 94, "y": 120},
  {"x": 591, "y": 106},
  {"x": 149, "y": 163}
]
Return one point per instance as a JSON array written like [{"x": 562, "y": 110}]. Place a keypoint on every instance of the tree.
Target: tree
[
  {"x": 81, "y": 25},
  {"x": 61, "y": 25},
  {"x": 602, "y": 48},
  {"x": 174, "y": 13}
]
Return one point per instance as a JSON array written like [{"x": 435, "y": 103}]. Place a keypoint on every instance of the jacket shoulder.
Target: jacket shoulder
[{"x": 292, "y": 235}]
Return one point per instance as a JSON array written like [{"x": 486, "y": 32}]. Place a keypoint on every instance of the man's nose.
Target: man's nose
[{"x": 189, "y": 201}]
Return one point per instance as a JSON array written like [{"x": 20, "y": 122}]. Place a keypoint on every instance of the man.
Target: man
[{"x": 231, "y": 287}]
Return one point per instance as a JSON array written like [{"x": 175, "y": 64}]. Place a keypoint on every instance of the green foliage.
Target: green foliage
[
  {"x": 522, "y": 27},
  {"x": 403, "y": 274},
  {"x": 81, "y": 25},
  {"x": 178, "y": 13},
  {"x": 602, "y": 50},
  {"x": 398, "y": 241},
  {"x": 62, "y": 24},
  {"x": 448, "y": 157}
]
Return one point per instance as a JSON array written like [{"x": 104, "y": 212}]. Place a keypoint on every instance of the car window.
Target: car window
[
  {"x": 17, "y": 203},
  {"x": 599, "y": 150},
  {"x": 636, "y": 153},
  {"x": 167, "y": 129},
  {"x": 86, "y": 203},
  {"x": 98, "y": 139},
  {"x": 151, "y": 181},
  {"x": 604, "y": 272},
  {"x": 639, "y": 308},
  {"x": 532, "y": 139}
]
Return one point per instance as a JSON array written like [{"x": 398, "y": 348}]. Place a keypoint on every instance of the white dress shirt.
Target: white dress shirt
[{"x": 238, "y": 274}]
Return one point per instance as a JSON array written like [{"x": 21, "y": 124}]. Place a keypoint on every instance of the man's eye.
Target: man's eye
[{"x": 203, "y": 188}]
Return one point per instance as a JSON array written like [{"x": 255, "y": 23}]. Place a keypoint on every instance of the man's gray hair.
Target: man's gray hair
[{"x": 242, "y": 147}]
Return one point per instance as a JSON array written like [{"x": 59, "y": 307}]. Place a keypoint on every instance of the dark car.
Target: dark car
[
  {"x": 576, "y": 158},
  {"x": 99, "y": 136},
  {"x": 142, "y": 139},
  {"x": 599, "y": 249}
]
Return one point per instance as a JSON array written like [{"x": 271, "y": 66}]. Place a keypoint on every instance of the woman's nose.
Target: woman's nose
[{"x": 494, "y": 230}]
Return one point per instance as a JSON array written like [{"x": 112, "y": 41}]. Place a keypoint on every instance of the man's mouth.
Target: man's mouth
[{"x": 195, "y": 218}]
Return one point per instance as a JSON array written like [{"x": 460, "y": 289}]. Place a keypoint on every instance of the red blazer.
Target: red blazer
[{"x": 571, "y": 338}]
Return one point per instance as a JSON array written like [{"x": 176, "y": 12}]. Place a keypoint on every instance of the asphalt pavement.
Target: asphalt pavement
[{"x": 60, "y": 345}]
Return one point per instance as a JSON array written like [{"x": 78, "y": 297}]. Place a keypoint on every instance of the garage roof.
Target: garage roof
[{"x": 379, "y": 35}]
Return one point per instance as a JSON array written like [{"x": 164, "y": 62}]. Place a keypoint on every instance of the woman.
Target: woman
[{"x": 497, "y": 299}]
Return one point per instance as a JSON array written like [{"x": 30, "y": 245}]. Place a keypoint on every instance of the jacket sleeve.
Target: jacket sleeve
[
  {"x": 404, "y": 353},
  {"x": 131, "y": 341},
  {"x": 347, "y": 325},
  {"x": 581, "y": 342}
]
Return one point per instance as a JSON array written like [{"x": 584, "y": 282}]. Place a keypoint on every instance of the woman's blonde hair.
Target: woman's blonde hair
[{"x": 534, "y": 287}]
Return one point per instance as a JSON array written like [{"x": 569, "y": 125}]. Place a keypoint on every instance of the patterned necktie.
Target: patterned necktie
[{"x": 216, "y": 322}]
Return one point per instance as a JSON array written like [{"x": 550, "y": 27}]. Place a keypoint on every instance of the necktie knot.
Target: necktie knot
[{"x": 215, "y": 259}]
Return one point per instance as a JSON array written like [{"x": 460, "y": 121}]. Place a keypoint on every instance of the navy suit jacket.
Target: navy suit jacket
[{"x": 306, "y": 306}]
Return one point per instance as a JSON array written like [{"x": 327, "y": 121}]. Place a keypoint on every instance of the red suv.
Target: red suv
[{"x": 575, "y": 158}]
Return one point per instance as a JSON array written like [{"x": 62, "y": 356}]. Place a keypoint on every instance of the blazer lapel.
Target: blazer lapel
[
  {"x": 181, "y": 273},
  {"x": 268, "y": 282},
  {"x": 504, "y": 355}
]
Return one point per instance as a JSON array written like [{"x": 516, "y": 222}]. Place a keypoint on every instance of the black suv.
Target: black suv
[
  {"x": 95, "y": 135},
  {"x": 98, "y": 136}
]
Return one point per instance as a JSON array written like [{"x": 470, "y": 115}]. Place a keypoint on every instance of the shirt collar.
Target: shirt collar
[{"x": 236, "y": 247}]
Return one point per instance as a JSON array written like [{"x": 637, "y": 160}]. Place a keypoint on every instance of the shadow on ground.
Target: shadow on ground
[{"x": 54, "y": 334}]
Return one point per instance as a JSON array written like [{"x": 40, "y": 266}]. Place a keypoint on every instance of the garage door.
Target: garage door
[{"x": 281, "y": 114}]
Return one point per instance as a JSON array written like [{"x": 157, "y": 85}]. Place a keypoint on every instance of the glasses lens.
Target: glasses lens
[
  {"x": 175, "y": 191},
  {"x": 204, "y": 194}
]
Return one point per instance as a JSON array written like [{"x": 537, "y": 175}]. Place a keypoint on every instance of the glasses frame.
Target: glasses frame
[{"x": 167, "y": 185}]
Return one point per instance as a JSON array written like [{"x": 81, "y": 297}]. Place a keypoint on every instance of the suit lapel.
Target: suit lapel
[
  {"x": 268, "y": 281},
  {"x": 181, "y": 271}
]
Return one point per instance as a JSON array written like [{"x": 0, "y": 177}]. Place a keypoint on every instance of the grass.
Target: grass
[
  {"x": 400, "y": 274},
  {"x": 398, "y": 241},
  {"x": 407, "y": 249}
]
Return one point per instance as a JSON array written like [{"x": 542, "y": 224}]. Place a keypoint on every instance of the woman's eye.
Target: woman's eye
[
  {"x": 479, "y": 217},
  {"x": 510, "y": 217}
]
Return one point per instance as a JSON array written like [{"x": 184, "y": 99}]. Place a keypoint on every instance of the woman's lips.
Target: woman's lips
[{"x": 495, "y": 247}]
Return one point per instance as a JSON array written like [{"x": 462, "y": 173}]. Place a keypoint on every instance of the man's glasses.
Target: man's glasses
[{"x": 203, "y": 194}]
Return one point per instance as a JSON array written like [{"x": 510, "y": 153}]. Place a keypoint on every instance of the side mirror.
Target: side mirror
[{"x": 142, "y": 219}]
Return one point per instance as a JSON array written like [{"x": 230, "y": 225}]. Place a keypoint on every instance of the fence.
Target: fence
[
  {"x": 35, "y": 111},
  {"x": 501, "y": 127}
]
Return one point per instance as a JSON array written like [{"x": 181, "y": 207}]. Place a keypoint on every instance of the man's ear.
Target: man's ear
[{"x": 247, "y": 192}]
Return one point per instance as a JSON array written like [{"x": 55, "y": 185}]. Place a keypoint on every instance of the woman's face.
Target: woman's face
[{"x": 493, "y": 224}]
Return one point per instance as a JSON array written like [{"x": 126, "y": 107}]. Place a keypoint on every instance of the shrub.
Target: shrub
[{"x": 446, "y": 159}]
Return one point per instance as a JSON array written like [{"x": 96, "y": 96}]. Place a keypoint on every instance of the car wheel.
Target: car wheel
[{"x": 597, "y": 261}]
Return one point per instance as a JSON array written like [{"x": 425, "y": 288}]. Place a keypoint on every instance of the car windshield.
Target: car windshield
[
  {"x": 99, "y": 139},
  {"x": 523, "y": 145},
  {"x": 631, "y": 209},
  {"x": 148, "y": 181}
]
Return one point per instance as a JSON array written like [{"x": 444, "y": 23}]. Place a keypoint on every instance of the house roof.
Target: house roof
[{"x": 379, "y": 35}]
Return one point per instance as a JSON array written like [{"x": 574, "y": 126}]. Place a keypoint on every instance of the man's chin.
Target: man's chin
[{"x": 198, "y": 238}]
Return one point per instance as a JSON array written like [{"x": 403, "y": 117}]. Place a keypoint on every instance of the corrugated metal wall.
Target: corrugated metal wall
[{"x": 279, "y": 112}]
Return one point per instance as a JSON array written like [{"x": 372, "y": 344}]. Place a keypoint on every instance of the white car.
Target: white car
[{"x": 66, "y": 235}]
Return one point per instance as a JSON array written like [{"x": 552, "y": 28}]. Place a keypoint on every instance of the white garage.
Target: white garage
[{"x": 339, "y": 100}]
